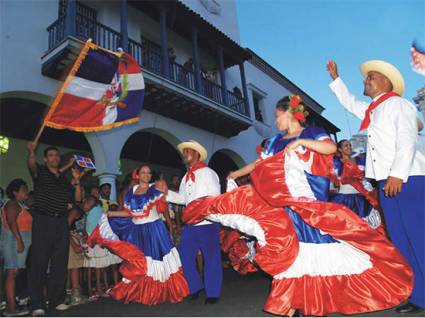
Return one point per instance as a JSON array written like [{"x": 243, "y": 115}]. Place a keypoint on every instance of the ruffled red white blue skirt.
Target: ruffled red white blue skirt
[
  {"x": 323, "y": 257},
  {"x": 151, "y": 268},
  {"x": 239, "y": 249}
]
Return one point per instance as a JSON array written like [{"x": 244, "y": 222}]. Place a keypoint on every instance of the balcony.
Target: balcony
[{"x": 175, "y": 96}]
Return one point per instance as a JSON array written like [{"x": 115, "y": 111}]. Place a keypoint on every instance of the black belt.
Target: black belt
[{"x": 53, "y": 215}]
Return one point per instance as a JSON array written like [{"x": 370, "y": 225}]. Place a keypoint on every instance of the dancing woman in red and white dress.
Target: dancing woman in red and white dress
[
  {"x": 323, "y": 257},
  {"x": 354, "y": 190},
  {"x": 151, "y": 267}
]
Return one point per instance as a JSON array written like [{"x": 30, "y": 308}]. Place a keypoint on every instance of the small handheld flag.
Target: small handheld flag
[{"x": 84, "y": 162}]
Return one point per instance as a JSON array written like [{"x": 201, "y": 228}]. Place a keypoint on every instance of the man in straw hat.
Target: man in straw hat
[
  {"x": 199, "y": 181},
  {"x": 393, "y": 160}
]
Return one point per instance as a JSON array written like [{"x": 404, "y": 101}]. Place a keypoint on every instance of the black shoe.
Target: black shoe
[
  {"x": 194, "y": 296},
  {"x": 408, "y": 308},
  {"x": 211, "y": 300},
  {"x": 298, "y": 313}
]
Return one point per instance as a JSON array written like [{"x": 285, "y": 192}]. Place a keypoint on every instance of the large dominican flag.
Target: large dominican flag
[{"x": 103, "y": 90}]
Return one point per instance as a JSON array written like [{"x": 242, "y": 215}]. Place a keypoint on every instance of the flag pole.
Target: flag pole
[{"x": 65, "y": 84}]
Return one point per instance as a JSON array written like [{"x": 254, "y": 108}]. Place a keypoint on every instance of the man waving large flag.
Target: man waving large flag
[{"x": 103, "y": 90}]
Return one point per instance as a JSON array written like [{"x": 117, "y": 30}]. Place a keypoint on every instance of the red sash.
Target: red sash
[
  {"x": 190, "y": 172},
  {"x": 366, "y": 121}
]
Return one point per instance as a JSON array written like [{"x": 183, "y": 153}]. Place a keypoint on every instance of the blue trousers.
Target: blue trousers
[
  {"x": 205, "y": 238},
  {"x": 404, "y": 217}
]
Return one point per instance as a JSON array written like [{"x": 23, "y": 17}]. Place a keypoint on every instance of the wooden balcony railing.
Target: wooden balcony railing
[
  {"x": 212, "y": 90},
  {"x": 147, "y": 54},
  {"x": 56, "y": 32}
]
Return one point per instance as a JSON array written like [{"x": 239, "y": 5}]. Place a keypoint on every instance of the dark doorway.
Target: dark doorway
[
  {"x": 147, "y": 147},
  {"x": 222, "y": 164},
  {"x": 21, "y": 118}
]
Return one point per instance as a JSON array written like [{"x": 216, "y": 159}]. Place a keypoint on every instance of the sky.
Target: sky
[{"x": 298, "y": 37}]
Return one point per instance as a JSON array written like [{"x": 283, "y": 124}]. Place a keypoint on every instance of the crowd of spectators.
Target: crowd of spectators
[{"x": 45, "y": 261}]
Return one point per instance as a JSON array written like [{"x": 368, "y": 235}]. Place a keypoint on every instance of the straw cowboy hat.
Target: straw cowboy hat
[
  {"x": 192, "y": 144},
  {"x": 387, "y": 69}
]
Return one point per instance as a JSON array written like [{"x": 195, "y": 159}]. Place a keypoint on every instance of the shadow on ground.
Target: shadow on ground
[{"x": 242, "y": 296}]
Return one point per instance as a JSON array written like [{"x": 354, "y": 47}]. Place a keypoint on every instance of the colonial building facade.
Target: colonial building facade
[
  {"x": 200, "y": 83},
  {"x": 419, "y": 100}
]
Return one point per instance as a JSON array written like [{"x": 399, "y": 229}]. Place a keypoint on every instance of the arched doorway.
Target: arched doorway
[
  {"x": 156, "y": 149},
  {"x": 223, "y": 163},
  {"x": 20, "y": 119}
]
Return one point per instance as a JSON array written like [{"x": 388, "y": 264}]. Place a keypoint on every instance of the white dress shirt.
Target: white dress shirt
[
  {"x": 206, "y": 183},
  {"x": 392, "y": 136}
]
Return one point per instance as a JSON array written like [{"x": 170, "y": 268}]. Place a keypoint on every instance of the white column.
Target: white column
[{"x": 106, "y": 148}]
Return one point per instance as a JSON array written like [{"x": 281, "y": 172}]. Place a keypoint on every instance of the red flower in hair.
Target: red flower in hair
[
  {"x": 299, "y": 116},
  {"x": 294, "y": 101},
  {"x": 134, "y": 174}
]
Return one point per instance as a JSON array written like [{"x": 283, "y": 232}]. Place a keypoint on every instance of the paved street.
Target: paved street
[{"x": 242, "y": 296}]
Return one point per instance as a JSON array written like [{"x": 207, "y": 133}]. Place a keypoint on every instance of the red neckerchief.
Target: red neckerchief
[
  {"x": 190, "y": 172},
  {"x": 372, "y": 106}
]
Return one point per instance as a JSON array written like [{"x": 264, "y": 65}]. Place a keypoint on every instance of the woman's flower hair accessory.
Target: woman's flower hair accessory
[
  {"x": 297, "y": 108},
  {"x": 134, "y": 174}
]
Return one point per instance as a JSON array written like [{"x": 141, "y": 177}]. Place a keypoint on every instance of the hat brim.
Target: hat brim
[
  {"x": 387, "y": 69},
  {"x": 203, "y": 154}
]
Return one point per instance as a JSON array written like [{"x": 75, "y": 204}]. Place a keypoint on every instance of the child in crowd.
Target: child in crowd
[
  {"x": 96, "y": 257},
  {"x": 94, "y": 191},
  {"x": 76, "y": 221},
  {"x": 114, "y": 267}
]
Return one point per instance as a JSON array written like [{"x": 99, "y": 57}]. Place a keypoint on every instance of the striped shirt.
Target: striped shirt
[{"x": 51, "y": 193}]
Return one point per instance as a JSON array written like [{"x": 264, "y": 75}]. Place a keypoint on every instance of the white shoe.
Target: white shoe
[
  {"x": 16, "y": 313},
  {"x": 38, "y": 313},
  {"x": 62, "y": 307},
  {"x": 22, "y": 301},
  {"x": 77, "y": 298}
]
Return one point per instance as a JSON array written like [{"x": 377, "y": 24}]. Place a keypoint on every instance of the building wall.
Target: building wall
[
  {"x": 25, "y": 59},
  {"x": 140, "y": 24},
  {"x": 226, "y": 21},
  {"x": 27, "y": 42},
  {"x": 420, "y": 101},
  {"x": 21, "y": 59},
  {"x": 24, "y": 41},
  {"x": 359, "y": 142}
]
